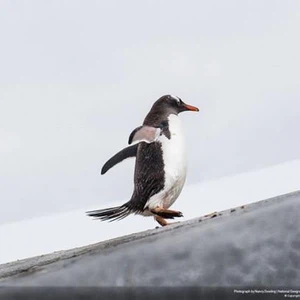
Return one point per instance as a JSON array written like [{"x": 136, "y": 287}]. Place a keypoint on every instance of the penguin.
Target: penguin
[{"x": 161, "y": 164}]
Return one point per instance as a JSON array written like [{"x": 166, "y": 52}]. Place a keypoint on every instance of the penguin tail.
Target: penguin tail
[{"x": 110, "y": 214}]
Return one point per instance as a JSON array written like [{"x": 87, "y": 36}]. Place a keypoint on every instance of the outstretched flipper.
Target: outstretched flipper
[
  {"x": 120, "y": 156},
  {"x": 146, "y": 134}
]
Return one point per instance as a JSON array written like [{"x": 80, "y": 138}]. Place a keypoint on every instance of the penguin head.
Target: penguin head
[
  {"x": 173, "y": 104},
  {"x": 164, "y": 107}
]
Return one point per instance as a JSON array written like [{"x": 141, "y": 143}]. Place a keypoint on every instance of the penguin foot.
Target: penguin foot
[
  {"x": 166, "y": 213},
  {"x": 161, "y": 221}
]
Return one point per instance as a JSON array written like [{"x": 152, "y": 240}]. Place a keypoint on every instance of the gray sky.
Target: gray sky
[{"x": 77, "y": 76}]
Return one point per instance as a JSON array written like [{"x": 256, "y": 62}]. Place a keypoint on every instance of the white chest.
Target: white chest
[{"x": 174, "y": 154}]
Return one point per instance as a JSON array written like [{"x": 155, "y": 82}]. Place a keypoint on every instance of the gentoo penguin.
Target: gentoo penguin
[{"x": 160, "y": 167}]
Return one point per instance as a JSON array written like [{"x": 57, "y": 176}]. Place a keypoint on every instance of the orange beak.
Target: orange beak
[{"x": 190, "y": 107}]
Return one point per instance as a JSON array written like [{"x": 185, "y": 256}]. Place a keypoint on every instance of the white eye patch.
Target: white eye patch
[{"x": 175, "y": 98}]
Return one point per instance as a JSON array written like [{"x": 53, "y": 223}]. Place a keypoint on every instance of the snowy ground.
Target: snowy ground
[{"x": 67, "y": 230}]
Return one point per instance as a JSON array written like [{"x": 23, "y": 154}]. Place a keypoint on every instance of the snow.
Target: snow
[{"x": 73, "y": 229}]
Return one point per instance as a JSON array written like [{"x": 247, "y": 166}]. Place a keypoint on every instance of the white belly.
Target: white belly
[{"x": 175, "y": 166}]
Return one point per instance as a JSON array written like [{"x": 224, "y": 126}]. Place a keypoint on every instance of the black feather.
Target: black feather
[
  {"x": 110, "y": 214},
  {"x": 120, "y": 156}
]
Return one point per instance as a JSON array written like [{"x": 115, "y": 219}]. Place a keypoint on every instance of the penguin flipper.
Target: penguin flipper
[
  {"x": 120, "y": 156},
  {"x": 144, "y": 133}
]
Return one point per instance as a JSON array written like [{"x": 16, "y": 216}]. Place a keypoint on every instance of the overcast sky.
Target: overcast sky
[{"x": 77, "y": 76}]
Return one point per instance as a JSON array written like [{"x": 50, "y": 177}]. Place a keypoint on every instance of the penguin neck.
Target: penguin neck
[
  {"x": 175, "y": 125},
  {"x": 156, "y": 116}
]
